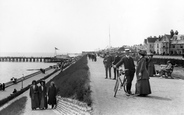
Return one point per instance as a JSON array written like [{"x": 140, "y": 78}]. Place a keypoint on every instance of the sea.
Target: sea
[{"x": 20, "y": 69}]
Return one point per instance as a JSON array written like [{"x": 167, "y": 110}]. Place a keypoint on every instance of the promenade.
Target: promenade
[{"x": 166, "y": 98}]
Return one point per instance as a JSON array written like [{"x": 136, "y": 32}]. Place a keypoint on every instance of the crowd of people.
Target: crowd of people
[
  {"x": 41, "y": 96},
  {"x": 143, "y": 68},
  {"x": 92, "y": 56}
]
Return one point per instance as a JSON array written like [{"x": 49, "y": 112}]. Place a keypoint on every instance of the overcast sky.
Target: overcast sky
[{"x": 83, "y": 25}]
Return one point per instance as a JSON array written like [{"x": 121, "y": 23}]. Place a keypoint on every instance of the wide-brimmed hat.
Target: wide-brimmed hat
[{"x": 142, "y": 52}]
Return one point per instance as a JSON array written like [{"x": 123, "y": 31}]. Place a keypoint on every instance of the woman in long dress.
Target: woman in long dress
[
  {"x": 34, "y": 95},
  {"x": 142, "y": 84},
  {"x": 43, "y": 95},
  {"x": 52, "y": 92}
]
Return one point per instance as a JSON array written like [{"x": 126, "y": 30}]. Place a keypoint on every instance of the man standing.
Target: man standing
[
  {"x": 130, "y": 69},
  {"x": 116, "y": 60},
  {"x": 108, "y": 64}
]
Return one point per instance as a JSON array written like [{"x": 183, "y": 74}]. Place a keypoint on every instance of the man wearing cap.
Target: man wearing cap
[
  {"x": 108, "y": 64},
  {"x": 129, "y": 65}
]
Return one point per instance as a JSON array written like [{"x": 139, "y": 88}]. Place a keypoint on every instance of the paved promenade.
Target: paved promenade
[{"x": 166, "y": 98}]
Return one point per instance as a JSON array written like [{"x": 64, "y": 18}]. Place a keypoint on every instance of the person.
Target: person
[
  {"x": 166, "y": 68},
  {"x": 43, "y": 95},
  {"x": 142, "y": 84},
  {"x": 14, "y": 91},
  {"x": 108, "y": 64},
  {"x": 116, "y": 60},
  {"x": 3, "y": 86},
  {"x": 129, "y": 65},
  {"x": 52, "y": 92},
  {"x": 151, "y": 66},
  {"x": 34, "y": 95}
]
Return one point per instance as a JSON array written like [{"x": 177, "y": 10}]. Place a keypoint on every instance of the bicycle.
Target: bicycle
[{"x": 119, "y": 84}]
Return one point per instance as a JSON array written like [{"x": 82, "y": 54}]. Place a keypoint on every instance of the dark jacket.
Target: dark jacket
[
  {"x": 108, "y": 61},
  {"x": 141, "y": 68},
  {"x": 128, "y": 64},
  {"x": 116, "y": 60}
]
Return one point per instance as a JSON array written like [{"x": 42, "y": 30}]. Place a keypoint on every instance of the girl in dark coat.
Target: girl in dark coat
[
  {"x": 142, "y": 84},
  {"x": 34, "y": 95},
  {"x": 43, "y": 95},
  {"x": 52, "y": 92}
]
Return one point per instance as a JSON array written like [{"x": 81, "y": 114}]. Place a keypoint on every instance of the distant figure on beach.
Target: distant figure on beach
[
  {"x": 43, "y": 95},
  {"x": 52, "y": 92},
  {"x": 14, "y": 80},
  {"x": 142, "y": 84},
  {"x": 3, "y": 86},
  {"x": 14, "y": 91},
  {"x": 42, "y": 70},
  {"x": 34, "y": 95}
]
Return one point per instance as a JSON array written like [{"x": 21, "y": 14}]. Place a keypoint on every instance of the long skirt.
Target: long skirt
[
  {"x": 35, "y": 101},
  {"x": 43, "y": 102},
  {"x": 143, "y": 87}
]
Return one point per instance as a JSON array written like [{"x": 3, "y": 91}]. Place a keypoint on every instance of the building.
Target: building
[
  {"x": 158, "y": 46},
  {"x": 177, "y": 45},
  {"x": 150, "y": 44}
]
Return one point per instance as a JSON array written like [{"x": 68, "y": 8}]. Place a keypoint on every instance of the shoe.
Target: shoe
[
  {"x": 130, "y": 93},
  {"x": 114, "y": 78},
  {"x": 127, "y": 94}
]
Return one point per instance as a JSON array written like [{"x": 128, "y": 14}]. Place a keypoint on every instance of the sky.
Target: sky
[{"x": 74, "y": 26}]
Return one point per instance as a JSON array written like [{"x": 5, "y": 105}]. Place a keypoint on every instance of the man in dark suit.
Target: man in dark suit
[
  {"x": 117, "y": 58},
  {"x": 108, "y": 64},
  {"x": 130, "y": 69}
]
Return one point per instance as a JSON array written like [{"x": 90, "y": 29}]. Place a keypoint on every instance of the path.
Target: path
[{"x": 166, "y": 98}]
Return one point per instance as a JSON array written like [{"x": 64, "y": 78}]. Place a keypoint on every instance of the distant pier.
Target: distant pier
[{"x": 28, "y": 59}]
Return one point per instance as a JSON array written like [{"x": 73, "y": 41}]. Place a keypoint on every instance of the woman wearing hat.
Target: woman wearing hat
[
  {"x": 34, "y": 95},
  {"x": 43, "y": 95},
  {"x": 142, "y": 84}
]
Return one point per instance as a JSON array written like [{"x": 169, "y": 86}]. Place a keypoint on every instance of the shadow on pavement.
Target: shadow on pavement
[{"x": 159, "y": 98}]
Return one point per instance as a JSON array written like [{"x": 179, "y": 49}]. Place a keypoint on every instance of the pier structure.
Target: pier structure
[{"x": 27, "y": 59}]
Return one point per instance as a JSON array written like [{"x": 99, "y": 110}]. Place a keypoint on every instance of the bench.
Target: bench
[{"x": 167, "y": 72}]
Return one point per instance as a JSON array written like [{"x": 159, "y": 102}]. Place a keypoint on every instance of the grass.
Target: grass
[
  {"x": 16, "y": 108},
  {"x": 74, "y": 82}
]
